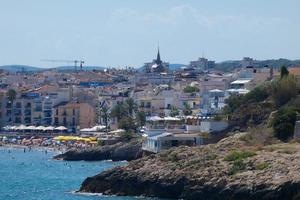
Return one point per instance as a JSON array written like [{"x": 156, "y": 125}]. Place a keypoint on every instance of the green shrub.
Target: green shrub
[
  {"x": 258, "y": 94},
  {"x": 127, "y": 135},
  {"x": 262, "y": 166},
  {"x": 237, "y": 166},
  {"x": 100, "y": 143},
  {"x": 173, "y": 157},
  {"x": 285, "y": 89},
  {"x": 283, "y": 122},
  {"x": 238, "y": 155},
  {"x": 190, "y": 89}
]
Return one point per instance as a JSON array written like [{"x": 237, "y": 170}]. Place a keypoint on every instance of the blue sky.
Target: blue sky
[{"x": 120, "y": 33}]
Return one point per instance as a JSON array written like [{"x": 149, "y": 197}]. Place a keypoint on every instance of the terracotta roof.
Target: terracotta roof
[{"x": 294, "y": 70}]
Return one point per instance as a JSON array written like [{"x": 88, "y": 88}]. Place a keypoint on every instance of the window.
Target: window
[
  {"x": 18, "y": 105},
  {"x": 56, "y": 111},
  {"x": 73, "y": 112},
  {"x": 56, "y": 120},
  {"x": 65, "y": 121}
]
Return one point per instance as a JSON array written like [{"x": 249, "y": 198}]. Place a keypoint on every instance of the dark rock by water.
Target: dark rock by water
[{"x": 121, "y": 151}]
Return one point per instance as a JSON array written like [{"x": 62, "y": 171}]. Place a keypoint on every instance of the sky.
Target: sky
[{"x": 118, "y": 33}]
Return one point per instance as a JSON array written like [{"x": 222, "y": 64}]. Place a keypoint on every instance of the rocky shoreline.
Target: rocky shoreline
[
  {"x": 230, "y": 169},
  {"x": 118, "y": 152}
]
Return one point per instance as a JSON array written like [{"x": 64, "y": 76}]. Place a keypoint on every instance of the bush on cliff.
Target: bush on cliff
[
  {"x": 284, "y": 90},
  {"x": 283, "y": 122},
  {"x": 238, "y": 155}
]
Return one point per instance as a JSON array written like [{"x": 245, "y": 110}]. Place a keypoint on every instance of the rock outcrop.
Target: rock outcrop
[
  {"x": 121, "y": 151},
  {"x": 230, "y": 169}
]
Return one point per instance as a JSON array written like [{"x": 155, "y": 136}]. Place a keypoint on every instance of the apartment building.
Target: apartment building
[{"x": 74, "y": 115}]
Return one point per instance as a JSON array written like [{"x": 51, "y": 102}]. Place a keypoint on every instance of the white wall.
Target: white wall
[{"x": 210, "y": 126}]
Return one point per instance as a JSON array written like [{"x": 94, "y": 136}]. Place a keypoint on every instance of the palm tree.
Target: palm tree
[
  {"x": 105, "y": 116},
  {"x": 187, "y": 110},
  {"x": 174, "y": 111},
  {"x": 141, "y": 118},
  {"x": 119, "y": 111},
  {"x": 283, "y": 72},
  {"x": 131, "y": 107}
]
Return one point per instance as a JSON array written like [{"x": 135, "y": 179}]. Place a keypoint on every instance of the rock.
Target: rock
[
  {"x": 193, "y": 173},
  {"x": 121, "y": 151}
]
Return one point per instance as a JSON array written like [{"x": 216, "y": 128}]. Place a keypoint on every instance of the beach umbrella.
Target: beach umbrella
[
  {"x": 61, "y": 128},
  {"x": 21, "y": 127},
  {"x": 117, "y": 131},
  {"x": 155, "y": 118},
  {"x": 40, "y": 128},
  {"x": 169, "y": 118},
  {"x": 7, "y": 128},
  {"x": 98, "y": 128},
  {"x": 49, "y": 128},
  {"x": 30, "y": 128}
]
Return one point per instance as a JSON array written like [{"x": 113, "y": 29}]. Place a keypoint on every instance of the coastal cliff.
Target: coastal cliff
[
  {"x": 230, "y": 169},
  {"x": 121, "y": 151}
]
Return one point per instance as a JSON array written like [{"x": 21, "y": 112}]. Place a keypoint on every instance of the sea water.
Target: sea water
[{"x": 33, "y": 175}]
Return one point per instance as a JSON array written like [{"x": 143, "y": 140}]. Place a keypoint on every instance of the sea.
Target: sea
[{"x": 34, "y": 175}]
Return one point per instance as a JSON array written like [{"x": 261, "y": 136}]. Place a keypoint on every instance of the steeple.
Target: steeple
[{"x": 158, "y": 60}]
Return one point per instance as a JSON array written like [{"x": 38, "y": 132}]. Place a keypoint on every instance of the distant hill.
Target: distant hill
[
  {"x": 86, "y": 68},
  {"x": 276, "y": 63},
  {"x": 20, "y": 68},
  {"x": 27, "y": 68},
  {"x": 223, "y": 66}
]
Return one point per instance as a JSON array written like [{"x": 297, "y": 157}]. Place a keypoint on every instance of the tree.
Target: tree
[
  {"x": 141, "y": 118},
  {"x": 187, "y": 110},
  {"x": 131, "y": 106},
  {"x": 190, "y": 89},
  {"x": 283, "y": 72},
  {"x": 285, "y": 89},
  {"x": 105, "y": 116},
  {"x": 283, "y": 122},
  {"x": 119, "y": 111},
  {"x": 174, "y": 111},
  {"x": 127, "y": 123}
]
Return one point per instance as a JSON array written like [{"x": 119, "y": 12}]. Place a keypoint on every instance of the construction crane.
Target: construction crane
[{"x": 80, "y": 62}]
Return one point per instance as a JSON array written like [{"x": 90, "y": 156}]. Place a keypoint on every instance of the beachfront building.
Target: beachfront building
[
  {"x": 167, "y": 140},
  {"x": 156, "y": 125},
  {"x": 74, "y": 115}
]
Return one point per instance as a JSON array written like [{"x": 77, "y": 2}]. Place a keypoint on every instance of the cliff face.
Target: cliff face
[
  {"x": 214, "y": 171},
  {"x": 117, "y": 152}
]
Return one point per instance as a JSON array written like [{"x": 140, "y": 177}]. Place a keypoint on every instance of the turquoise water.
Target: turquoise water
[{"x": 35, "y": 176}]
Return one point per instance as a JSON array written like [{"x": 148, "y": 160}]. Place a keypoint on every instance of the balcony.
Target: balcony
[
  {"x": 27, "y": 112},
  {"x": 18, "y": 113}
]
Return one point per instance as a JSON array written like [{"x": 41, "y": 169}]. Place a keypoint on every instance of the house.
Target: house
[
  {"x": 74, "y": 115},
  {"x": 166, "y": 141}
]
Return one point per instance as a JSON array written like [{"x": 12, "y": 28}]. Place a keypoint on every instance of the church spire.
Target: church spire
[{"x": 158, "y": 60}]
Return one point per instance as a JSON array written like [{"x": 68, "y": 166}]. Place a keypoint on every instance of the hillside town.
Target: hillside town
[{"x": 168, "y": 107}]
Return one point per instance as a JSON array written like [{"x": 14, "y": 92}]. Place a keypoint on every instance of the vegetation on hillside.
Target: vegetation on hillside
[{"x": 279, "y": 97}]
